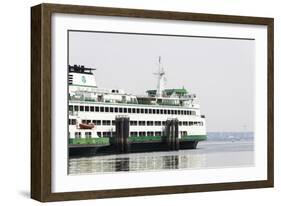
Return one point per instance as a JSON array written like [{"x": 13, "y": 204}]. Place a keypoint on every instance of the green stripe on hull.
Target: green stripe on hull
[
  {"x": 194, "y": 137},
  {"x": 144, "y": 138},
  {"x": 133, "y": 139},
  {"x": 97, "y": 141}
]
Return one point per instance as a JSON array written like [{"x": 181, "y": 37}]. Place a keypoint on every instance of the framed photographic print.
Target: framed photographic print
[{"x": 130, "y": 102}]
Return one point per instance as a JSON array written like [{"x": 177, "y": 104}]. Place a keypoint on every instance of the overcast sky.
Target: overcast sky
[{"x": 219, "y": 71}]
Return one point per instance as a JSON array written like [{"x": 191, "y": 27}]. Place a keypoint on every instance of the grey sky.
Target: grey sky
[{"x": 219, "y": 71}]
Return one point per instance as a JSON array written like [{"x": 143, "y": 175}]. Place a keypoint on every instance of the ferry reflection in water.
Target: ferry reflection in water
[
  {"x": 208, "y": 155},
  {"x": 135, "y": 162}
]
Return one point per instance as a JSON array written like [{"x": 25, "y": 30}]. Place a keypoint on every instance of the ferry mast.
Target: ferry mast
[{"x": 161, "y": 79}]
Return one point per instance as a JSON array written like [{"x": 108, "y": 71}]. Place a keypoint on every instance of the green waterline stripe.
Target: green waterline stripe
[{"x": 106, "y": 140}]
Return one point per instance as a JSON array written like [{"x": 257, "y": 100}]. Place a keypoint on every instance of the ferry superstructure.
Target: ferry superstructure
[{"x": 93, "y": 110}]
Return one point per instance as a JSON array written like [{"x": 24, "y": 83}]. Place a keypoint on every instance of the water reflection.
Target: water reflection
[
  {"x": 208, "y": 155},
  {"x": 136, "y": 162}
]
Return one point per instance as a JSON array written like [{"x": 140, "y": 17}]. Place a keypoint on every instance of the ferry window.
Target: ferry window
[
  {"x": 125, "y": 110},
  {"x": 99, "y": 134},
  {"x": 70, "y": 108},
  {"x": 113, "y": 122},
  {"x": 133, "y": 123},
  {"x": 106, "y": 109},
  {"x": 108, "y": 122},
  {"x": 165, "y": 111},
  {"x": 150, "y": 111},
  {"x": 104, "y": 122},
  {"x": 179, "y": 112},
  {"x": 88, "y": 121},
  {"x": 73, "y": 122},
  {"x": 69, "y": 121},
  {"x": 81, "y": 108},
  {"x": 145, "y": 111},
  {"x": 161, "y": 111},
  {"x": 106, "y": 134},
  {"x": 138, "y": 110},
  {"x": 129, "y": 110},
  {"x": 98, "y": 122},
  {"x": 141, "y": 134},
  {"x": 153, "y": 111},
  {"x": 169, "y": 111},
  {"x": 133, "y": 134},
  {"x": 150, "y": 133},
  {"x": 92, "y": 109},
  {"x": 184, "y": 133},
  {"x": 110, "y": 109},
  {"x": 164, "y": 122},
  {"x": 180, "y": 123},
  {"x": 97, "y": 109},
  {"x": 141, "y": 110},
  {"x": 141, "y": 123},
  {"x": 88, "y": 134},
  {"x": 116, "y": 109},
  {"x": 185, "y": 112},
  {"x": 158, "y": 123},
  {"x": 102, "y": 109},
  {"x": 157, "y": 111},
  {"x": 157, "y": 133},
  {"x": 75, "y": 108},
  {"x": 133, "y": 110},
  {"x": 149, "y": 123},
  {"x": 86, "y": 108},
  {"x": 120, "y": 110},
  {"x": 77, "y": 135},
  {"x": 83, "y": 121},
  {"x": 94, "y": 122}
]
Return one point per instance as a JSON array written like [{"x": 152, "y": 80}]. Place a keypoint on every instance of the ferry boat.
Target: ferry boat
[{"x": 93, "y": 110}]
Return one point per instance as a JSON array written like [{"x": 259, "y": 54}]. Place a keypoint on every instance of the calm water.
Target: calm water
[{"x": 209, "y": 154}]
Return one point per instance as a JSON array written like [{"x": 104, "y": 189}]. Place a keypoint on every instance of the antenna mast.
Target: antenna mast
[{"x": 160, "y": 74}]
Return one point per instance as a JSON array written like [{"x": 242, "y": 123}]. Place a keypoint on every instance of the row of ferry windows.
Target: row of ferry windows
[
  {"x": 135, "y": 134},
  {"x": 77, "y": 108},
  {"x": 135, "y": 123}
]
